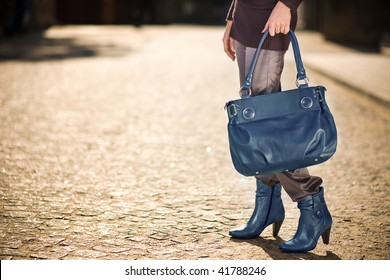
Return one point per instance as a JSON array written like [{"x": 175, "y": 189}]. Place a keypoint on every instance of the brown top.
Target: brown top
[{"x": 249, "y": 18}]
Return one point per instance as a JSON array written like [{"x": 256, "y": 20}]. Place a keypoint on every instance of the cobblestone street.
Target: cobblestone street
[{"x": 113, "y": 145}]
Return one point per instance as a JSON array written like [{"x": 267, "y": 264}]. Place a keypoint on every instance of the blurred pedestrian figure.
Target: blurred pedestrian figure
[
  {"x": 14, "y": 16},
  {"x": 246, "y": 21},
  {"x": 144, "y": 12}
]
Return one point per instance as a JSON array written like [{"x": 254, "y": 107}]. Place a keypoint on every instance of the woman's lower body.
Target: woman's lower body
[{"x": 299, "y": 184}]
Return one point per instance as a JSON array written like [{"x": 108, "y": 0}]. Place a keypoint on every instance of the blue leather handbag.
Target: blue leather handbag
[{"x": 280, "y": 131}]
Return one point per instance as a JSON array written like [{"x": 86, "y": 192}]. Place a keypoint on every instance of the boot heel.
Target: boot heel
[
  {"x": 276, "y": 227},
  {"x": 326, "y": 235}
]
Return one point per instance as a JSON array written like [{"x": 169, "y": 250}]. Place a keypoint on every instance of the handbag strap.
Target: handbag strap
[{"x": 302, "y": 80}]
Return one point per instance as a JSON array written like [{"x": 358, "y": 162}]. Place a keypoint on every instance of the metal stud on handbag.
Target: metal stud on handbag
[{"x": 280, "y": 131}]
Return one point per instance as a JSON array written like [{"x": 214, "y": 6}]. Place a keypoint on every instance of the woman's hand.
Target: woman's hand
[
  {"x": 228, "y": 42},
  {"x": 279, "y": 20}
]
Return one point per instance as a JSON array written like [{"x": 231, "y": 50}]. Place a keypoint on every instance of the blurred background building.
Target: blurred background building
[{"x": 359, "y": 23}]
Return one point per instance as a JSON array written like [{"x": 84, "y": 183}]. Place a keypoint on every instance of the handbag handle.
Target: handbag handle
[{"x": 302, "y": 80}]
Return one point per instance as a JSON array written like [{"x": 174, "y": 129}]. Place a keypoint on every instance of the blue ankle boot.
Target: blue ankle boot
[
  {"x": 315, "y": 221},
  {"x": 268, "y": 210}
]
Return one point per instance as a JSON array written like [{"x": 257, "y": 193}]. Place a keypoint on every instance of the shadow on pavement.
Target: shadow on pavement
[
  {"x": 271, "y": 247},
  {"x": 36, "y": 48}
]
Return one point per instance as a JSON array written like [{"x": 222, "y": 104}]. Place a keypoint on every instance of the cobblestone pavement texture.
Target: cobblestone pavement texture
[{"x": 114, "y": 146}]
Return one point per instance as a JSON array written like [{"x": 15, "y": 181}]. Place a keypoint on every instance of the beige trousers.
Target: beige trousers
[{"x": 266, "y": 79}]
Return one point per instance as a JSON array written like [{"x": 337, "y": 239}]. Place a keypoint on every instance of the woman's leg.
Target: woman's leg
[{"x": 268, "y": 203}]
